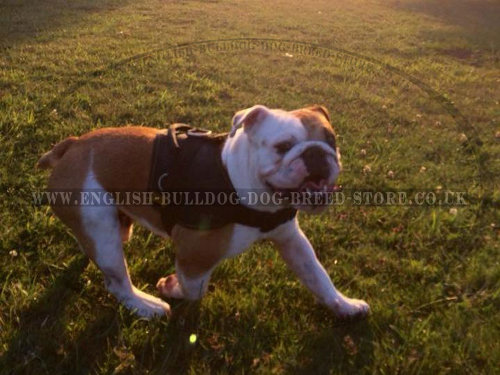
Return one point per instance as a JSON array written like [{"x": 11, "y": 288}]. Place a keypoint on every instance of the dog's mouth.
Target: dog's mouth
[
  {"x": 307, "y": 187},
  {"x": 310, "y": 196}
]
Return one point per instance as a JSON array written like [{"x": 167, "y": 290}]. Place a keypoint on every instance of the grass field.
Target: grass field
[{"x": 430, "y": 274}]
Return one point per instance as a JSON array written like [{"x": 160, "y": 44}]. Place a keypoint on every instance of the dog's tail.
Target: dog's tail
[{"x": 51, "y": 158}]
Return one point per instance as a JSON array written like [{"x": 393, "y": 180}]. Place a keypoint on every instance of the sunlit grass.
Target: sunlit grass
[{"x": 431, "y": 275}]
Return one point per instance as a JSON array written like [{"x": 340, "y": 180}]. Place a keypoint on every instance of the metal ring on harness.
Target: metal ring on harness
[{"x": 160, "y": 181}]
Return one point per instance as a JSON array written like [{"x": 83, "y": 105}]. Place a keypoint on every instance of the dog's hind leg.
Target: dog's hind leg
[
  {"x": 100, "y": 232},
  {"x": 104, "y": 231}
]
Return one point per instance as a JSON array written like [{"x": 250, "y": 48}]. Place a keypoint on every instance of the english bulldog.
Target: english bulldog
[{"x": 269, "y": 150}]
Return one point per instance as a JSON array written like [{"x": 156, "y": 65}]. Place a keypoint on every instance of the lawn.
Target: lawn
[{"x": 413, "y": 87}]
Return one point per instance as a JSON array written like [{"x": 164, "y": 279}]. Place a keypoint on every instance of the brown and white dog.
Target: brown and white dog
[{"x": 267, "y": 149}]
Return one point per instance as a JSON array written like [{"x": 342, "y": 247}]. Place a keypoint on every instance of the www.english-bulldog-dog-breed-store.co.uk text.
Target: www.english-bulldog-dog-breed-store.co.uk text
[{"x": 267, "y": 150}]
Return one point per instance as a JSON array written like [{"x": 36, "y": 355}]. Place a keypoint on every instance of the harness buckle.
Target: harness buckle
[{"x": 195, "y": 132}]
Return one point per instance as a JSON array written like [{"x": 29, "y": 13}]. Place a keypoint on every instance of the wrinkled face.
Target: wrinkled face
[{"x": 295, "y": 152}]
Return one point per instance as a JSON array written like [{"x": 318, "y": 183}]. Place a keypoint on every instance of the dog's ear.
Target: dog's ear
[
  {"x": 321, "y": 110},
  {"x": 248, "y": 118}
]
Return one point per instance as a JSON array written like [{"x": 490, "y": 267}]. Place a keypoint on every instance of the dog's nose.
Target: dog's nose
[{"x": 316, "y": 163}]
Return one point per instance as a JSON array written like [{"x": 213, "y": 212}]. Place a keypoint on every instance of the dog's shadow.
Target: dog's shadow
[
  {"x": 41, "y": 345},
  {"x": 180, "y": 331},
  {"x": 43, "y": 342},
  {"x": 345, "y": 347}
]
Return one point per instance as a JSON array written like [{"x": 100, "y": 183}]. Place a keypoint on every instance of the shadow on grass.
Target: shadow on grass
[
  {"x": 24, "y": 20},
  {"x": 40, "y": 344},
  {"x": 183, "y": 323},
  {"x": 477, "y": 20},
  {"x": 44, "y": 343},
  {"x": 345, "y": 348}
]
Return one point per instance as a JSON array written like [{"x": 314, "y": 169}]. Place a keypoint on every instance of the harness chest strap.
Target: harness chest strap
[{"x": 186, "y": 159}]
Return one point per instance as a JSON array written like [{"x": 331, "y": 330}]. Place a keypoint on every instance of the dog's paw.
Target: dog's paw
[
  {"x": 350, "y": 308},
  {"x": 147, "y": 306},
  {"x": 169, "y": 287}
]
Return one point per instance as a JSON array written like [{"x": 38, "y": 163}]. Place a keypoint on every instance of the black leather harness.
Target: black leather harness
[{"x": 187, "y": 160}]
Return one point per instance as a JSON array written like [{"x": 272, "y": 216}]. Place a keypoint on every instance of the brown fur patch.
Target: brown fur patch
[
  {"x": 121, "y": 159},
  {"x": 121, "y": 156},
  {"x": 316, "y": 122},
  {"x": 122, "y": 162},
  {"x": 199, "y": 251}
]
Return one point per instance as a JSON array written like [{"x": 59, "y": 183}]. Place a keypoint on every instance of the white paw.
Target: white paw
[
  {"x": 146, "y": 305},
  {"x": 169, "y": 287},
  {"x": 350, "y": 308}
]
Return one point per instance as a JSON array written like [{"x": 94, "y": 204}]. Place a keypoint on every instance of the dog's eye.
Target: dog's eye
[{"x": 283, "y": 147}]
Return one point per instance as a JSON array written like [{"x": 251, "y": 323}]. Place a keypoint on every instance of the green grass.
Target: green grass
[{"x": 432, "y": 277}]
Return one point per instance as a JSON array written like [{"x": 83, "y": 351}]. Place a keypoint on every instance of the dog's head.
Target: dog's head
[{"x": 292, "y": 151}]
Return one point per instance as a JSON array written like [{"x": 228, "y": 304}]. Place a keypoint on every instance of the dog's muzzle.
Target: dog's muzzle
[
  {"x": 316, "y": 162},
  {"x": 316, "y": 147}
]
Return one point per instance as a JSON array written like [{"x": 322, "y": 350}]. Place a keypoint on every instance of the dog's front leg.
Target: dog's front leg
[{"x": 299, "y": 255}]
